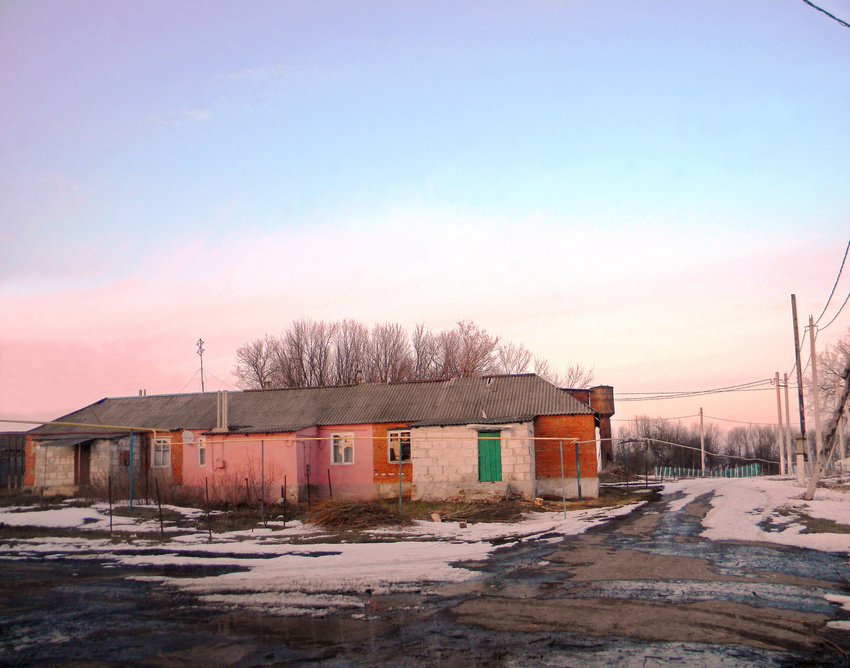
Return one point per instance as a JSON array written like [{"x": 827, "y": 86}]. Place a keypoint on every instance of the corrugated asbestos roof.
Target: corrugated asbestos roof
[{"x": 488, "y": 400}]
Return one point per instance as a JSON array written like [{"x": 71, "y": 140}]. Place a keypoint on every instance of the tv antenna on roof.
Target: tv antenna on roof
[{"x": 201, "y": 353}]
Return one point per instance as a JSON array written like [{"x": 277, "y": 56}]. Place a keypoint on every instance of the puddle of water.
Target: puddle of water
[{"x": 754, "y": 594}]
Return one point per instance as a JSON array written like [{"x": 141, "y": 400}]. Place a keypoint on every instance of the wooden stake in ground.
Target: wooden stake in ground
[
  {"x": 110, "y": 505},
  {"x": 159, "y": 503},
  {"x": 207, "y": 495}
]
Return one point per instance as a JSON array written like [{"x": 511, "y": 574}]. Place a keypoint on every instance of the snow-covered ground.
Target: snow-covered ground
[
  {"x": 767, "y": 510},
  {"x": 292, "y": 571}
]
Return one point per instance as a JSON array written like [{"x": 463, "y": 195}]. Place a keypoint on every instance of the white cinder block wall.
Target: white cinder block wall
[
  {"x": 445, "y": 462},
  {"x": 54, "y": 465}
]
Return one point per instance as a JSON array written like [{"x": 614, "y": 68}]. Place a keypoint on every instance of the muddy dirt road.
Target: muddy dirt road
[{"x": 641, "y": 590}]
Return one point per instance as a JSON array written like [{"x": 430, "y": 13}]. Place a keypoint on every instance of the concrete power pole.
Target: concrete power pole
[
  {"x": 830, "y": 432},
  {"x": 816, "y": 393},
  {"x": 779, "y": 439},
  {"x": 840, "y": 424},
  {"x": 789, "y": 444}
]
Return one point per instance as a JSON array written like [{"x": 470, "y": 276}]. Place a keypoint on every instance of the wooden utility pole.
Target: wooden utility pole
[
  {"x": 799, "y": 367},
  {"x": 701, "y": 441}
]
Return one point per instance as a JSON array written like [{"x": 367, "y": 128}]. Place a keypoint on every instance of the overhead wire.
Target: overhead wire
[
  {"x": 223, "y": 382},
  {"x": 720, "y": 419},
  {"x": 839, "y": 312},
  {"x": 834, "y": 286},
  {"x": 753, "y": 386},
  {"x": 832, "y": 16},
  {"x": 190, "y": 380}
]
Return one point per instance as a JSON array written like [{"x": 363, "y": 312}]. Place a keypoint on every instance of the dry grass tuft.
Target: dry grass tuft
[
  {"x": 356, "y": 515},
  {"x": 484, "y": 511}
]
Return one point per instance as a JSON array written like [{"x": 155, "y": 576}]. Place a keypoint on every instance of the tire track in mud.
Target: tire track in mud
[
  {"x": 641, "y": 589},
  {"x": 641, "y": 585}
]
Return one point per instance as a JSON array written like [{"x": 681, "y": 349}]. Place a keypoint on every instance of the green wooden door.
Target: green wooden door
[{"x": 489, "y": 456}]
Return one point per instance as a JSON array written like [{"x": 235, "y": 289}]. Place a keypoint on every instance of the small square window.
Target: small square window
[
  {"x": 398, "y": 446},
  {"x": 342, "y": 448}
]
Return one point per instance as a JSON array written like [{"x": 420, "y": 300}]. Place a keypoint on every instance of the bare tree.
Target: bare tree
[
  {"x": 426, "y": 354},
  {"x": 351, "y": 350},
  {"x": 513, "y": 358},
  {"x": 313, "y": 354},
  {"x": 255, "y": 363},
  {"x": 831, "y": 361},
  {"x": 390, "y": 355},
  {"x": 448, "y": 347},
  {"x": 476, "y": 351},
  {"x": 305, "y": 354},
  {"x": 751, "y": 442},
  {"x": 574, "y": 376}
]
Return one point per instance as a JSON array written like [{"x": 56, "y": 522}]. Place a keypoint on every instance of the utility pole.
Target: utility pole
[
  {"x": 815, "y": 392},
  {"x": 834, "y": 424},
  {"x": 201, "y": 353},
  {"x": 701, "y": 441},
  {"x": 779, "y": 440},
  {"x": 788, "y": 442},
  {"x": 799, "y": 368},
  {"x": 840, "y": 424}
]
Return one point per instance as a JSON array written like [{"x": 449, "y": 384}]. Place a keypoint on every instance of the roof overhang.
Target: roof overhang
[
  {"x": 485, "y": 424},
  {"x": 68, "y": 439}
]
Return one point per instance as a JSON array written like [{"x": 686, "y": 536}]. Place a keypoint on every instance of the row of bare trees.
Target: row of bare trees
[
  {"x": 316, "y": 353},
  {"x": 648, "y": 442}
]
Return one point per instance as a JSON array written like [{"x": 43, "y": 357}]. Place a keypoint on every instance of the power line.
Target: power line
[
  {"x": 839, "y": 312},
  {"x": 654, "y": 396},
  {"x": 760, "y": 424},
  {"x": 834, "y": 18},
  {"x": 835, "y": 285},
  {"x": 634, "y": 419}
]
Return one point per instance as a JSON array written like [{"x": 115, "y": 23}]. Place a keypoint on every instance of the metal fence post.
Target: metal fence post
[{"x": 578, "y": 473}]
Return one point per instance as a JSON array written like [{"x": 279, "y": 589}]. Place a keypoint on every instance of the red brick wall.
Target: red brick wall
[
  {"x": 547, "y": 460},
  {"x": 176, "y": 457},
  {"x": 385, "y": 470}
]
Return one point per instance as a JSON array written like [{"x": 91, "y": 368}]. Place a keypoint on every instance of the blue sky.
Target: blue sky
[{"x": 637, "y": 187}]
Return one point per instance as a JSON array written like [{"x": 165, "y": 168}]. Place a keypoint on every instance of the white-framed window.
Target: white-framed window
[
  {"x": 399, "y": 445},
  {"x": 161, "y": 452},
  {"x": 202, "y": 453},
  {"x": 342, "y": 448}
]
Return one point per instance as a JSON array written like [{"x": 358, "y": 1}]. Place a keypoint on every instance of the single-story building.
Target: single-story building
[{"x": 466, "y": 438}]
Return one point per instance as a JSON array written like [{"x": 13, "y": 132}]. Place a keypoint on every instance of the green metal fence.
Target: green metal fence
[{"x": 747, "y": 471}]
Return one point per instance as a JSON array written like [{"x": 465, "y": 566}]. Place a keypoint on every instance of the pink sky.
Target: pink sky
[
  {"x": 723, "y": 321},
  {"x": 639, "y": 191}
]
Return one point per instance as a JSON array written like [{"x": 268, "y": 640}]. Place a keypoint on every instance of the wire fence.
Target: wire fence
[{"x": 644, "y": 458}]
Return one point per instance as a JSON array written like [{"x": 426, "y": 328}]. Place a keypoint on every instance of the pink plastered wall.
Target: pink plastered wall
[
  {"x": 348, "y": 480},
  {"x": 284, "y": 458},
  {"x": 265, "y": 460}
]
